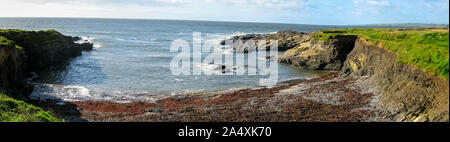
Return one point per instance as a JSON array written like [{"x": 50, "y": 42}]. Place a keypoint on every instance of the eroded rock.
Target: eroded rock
[{"x": 286, "y": 40}]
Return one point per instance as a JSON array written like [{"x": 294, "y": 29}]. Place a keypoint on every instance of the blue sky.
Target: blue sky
[{"x": 325, "y": 12}]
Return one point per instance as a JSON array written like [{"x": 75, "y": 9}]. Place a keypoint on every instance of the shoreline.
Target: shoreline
[{"x": 247, "y": 105}]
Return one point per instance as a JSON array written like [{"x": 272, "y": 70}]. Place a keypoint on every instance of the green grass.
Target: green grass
[
  {"x": 31, "y": 39},
  {"x": 4, "y": 42},
  {"x": 427, "y": 49},
  {"x": 16, "y": 34},
  {"x": 12, "y": 110}
]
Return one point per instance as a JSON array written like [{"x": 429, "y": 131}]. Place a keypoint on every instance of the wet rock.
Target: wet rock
[
  {"x": 85, "y": 46},
  {"x": 154, "y": 110}
]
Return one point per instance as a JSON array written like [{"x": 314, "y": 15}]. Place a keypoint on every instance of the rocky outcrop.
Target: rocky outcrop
[
  {"x": 302, "y": 49},
  {"x": 31, "y": 51},
  {"x": 45, "y": 48},
  {"x": 286, "y": 40},
  {"x": 403, "y": 92},
  {"x": 314, "y": 54},
  {"x": 83, "y": 44}
]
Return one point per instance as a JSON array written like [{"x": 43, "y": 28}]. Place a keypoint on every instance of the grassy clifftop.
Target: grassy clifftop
[
  {"x": 43, "y": 48},
  {"x": 30, "y": 39},
  {"x": 30, "y": 36},
  {"x": 12, "y": 110},
  {"x": 426, "y": 48}
]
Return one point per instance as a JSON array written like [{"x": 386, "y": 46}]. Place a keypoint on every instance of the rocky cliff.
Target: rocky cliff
[
  {"x": 11, "y": 63},
  {"x": 31, "y": 51},
  {"x": 45, "y": 48},
  {"x": 403, "y": 92}
]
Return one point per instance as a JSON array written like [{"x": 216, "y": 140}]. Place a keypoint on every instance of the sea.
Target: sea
[{"x": 131, "y": 58}]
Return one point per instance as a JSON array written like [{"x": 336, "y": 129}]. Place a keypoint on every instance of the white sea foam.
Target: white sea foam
[
  {"x": 60, "y": 92},
  {"x": 178, "y": 79},
  {"x": 71, "y": 93},
  {"x": 219, "y": 69},
  {"x": 186, "y": 92},
  {"x": 87, "y": 39},
  {"x": 119, "y": 39},
  {"x": 216, "y": 38}
]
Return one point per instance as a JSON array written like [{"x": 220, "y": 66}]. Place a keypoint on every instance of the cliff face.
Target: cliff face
[
  {"x": 314, "y": 54},
  {"x": 44, "y": 48},
  {"x": 403, "y": 92},
  {"x": 32, "y": 51},
  {"x": 11, "y": 62}
]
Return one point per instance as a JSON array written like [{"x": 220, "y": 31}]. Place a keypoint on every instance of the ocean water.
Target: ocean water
[{"x": 131, "y": 59}]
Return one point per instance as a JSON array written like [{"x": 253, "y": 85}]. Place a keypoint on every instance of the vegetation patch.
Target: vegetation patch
[
  {"x": 4, "y": 42},
  {"x": 12, "y": 110},
  {"x": 31, "y": 38},
  {"x": 426, "y": 48}
]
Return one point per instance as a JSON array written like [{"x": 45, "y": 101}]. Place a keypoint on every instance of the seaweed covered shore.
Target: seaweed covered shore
[{"x": 343, "y": 103}]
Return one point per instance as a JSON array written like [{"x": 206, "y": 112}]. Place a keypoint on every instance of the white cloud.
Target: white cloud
[
  {"x": 265, "y": 3},
  {"x": 372, "y": 2},
  {"x": 369, "y": 7},
  {"x": 80, "y": 8},
  {"x": 171, "y": 1},
  {"x": 378, "y": 3}
]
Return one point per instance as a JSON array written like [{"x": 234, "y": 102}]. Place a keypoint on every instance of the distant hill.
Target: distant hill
[{"x": 422, "y": 25}]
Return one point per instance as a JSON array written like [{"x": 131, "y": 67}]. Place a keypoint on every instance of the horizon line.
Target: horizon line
[{"x": 119, "y": 18}]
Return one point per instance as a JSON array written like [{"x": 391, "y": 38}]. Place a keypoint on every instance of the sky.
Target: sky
[{"x": 322, "y": 12}]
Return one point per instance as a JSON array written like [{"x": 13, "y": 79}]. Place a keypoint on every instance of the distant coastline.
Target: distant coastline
[{"x": 404, "y": 25}]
